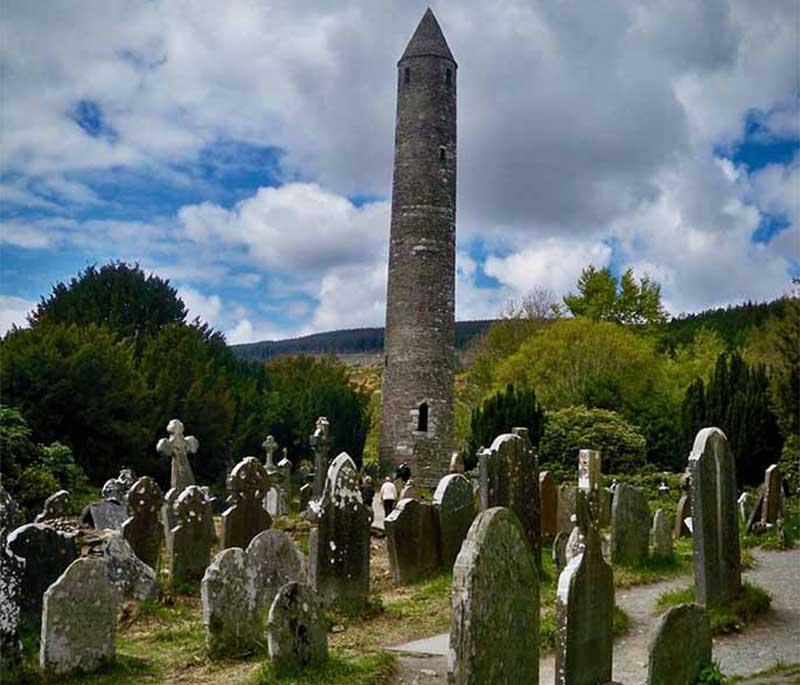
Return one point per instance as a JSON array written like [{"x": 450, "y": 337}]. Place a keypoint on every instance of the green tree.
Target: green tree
[
  {"x": 500, "y": 413},
  {"x": 603, "y": 297},
  {"x": 116, "y": 295},
  {"x": 622, "y": 447},
  {"x": 17, "y": 449}
]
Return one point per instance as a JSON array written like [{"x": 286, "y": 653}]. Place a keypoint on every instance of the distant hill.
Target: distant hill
[{"x": 356, "y": 341}]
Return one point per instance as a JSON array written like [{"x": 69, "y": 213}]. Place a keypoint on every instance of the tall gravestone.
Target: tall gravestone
[
  {"x": 320, "y": 443},
  {"x": 548, "y": 496},
  {"x": 566, "y": 507},
  {"x": 297, "y": 634},
  {"x": 190, "y": 551},
  {"x": 238, "y": 589},
  {"x": 412, "y": 540},
  {"x": 247, "y": 484},
  {"x": 590, "y": 473},
  {"x": 509, "y": 477},
  {"x": 178, "y": 448},
  {"x": 142, "y": 529},
  {"x": 78, "y": 620},
  {"x": 684, "y": 510},
  {"x": 717, "y": 563},
  {"x": 662, "y": 535},
  {"x": 681, "y": 646},
  {"x": 339, "y": 546},
  {"x": 47, "y": 553},
  {"x": 9, "y": 514},
  {"x": 494, "y": 630},
  {"x": 455, "y": 509},
  {"x": 131, "y": 578},
  {"x": 55, "y": 506},
  {"x": 772, "y": 508},
  {"x": 584, "y": 617},
  {"x": 12, "y": 570},
  {"x": 630, "y": 525}
]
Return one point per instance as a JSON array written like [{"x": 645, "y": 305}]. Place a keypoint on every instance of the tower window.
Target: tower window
[
  {"x": 448, "y": 78},
  {"x": 407, "y": 75},
  {"x": 442, "y": 153},
  {"x": 422, "y": 418}
]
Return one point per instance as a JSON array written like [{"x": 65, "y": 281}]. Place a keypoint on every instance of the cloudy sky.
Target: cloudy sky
[{"x": 243, "y": 149}]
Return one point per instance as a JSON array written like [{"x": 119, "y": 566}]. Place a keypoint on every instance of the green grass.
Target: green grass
[
  {"x": 732, "y": 618},
  {"x": 653, "y": 569},
  {"x": 547, "y": 627},
  {"x": 426, "y": 593},
  {"x": 371, "y": 669},
  {"x": 779, "y": 669}
]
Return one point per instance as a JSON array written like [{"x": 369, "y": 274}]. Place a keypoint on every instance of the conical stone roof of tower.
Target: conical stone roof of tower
[{"x": 428, "y": 40}]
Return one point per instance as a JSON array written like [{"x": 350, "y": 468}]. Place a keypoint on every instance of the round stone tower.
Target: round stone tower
[{"x": 417, "y": 410}]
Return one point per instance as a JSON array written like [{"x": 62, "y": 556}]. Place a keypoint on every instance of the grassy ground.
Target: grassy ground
[
  {"x": 789, "y": 674},
  {"x": 733, "y": 618}
]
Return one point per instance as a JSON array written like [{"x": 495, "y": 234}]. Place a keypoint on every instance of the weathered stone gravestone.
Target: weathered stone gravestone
[
  {"x": 247, "y": 484},
  {"x": 683, "y": 512},
  {"x": 9, "y": 515},
  {"x": 276, "y": 501},
  {"x": 78, "y": 620},
  {"x": 239, "y": 586},
  {"x": 178, "y": 448},
  {"x": 12, "y": 571},
  {"x": 584, "y": 617},
  {"x": 130, "y": 577},
  {"x": 409, "y": 491},
  {"x": 548, "y": 496},
  {"x": 142, "y": 529},
  {"x": 190, "y": 551},
  {"x": 717, "y": 564},
  {"x": 456, "y": 463},
  {"x": 745, "y": 506},
  {"x": 494, "y": 631},
  {"x": 306, "y": 493},
  {"x": 455, "y": 511},
  {"x": 270, "y": 446},
  {"x": 106, "y": 514},
  {"x": 320, "y": 443},
  {"x": 509, "y": 477},
  {"x": 117, "y": 488},
  {"x": 47, "y": 553},
  {"x": 681, "y": 646},
  {"x": 297, "y": 634},
  {"x": 412, "y": 540},
  {"x": 168, "y": 516},
  {"x": 772, "y": 509},
  {"x": 590, "y": 473},
  {"x": 662, "y": 535},
  {"x": 566, "y": 507},
  {"x": 560, "y": 550},
  {"x": 630, "y": 525},
  {"x": 55, "y": 506},
  {"x": 339, "y": 546},
  {"x": 605, "y": 499}
]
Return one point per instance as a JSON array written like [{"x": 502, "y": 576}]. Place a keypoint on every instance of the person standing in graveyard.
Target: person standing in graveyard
[
  {"x": 368, "y": 491},
  {"x": 388, "y": 495}
]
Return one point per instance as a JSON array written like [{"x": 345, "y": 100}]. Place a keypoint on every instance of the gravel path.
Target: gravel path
[{"x": 774, "y": 638}]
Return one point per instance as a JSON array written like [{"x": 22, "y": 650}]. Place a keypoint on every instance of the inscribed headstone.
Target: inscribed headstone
[
  {"x": 455, "y": 508},
  {"x": 412, "y": 540}
]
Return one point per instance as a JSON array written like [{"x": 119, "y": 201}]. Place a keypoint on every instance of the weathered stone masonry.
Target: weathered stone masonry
[{"x": 417, "y": 411}]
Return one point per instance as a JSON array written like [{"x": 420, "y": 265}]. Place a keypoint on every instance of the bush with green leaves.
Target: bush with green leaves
[{"x": 622, "y": 446}]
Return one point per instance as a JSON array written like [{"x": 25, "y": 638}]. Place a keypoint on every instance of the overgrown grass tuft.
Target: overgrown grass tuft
[
  {"x": 751, "y": 603},
  {"x": 370, "y": 669}
]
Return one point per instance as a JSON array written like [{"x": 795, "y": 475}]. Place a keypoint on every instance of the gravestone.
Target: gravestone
[
  {"x": 106, "y": 514},
  {"x": 605, "y": 499},
  {"x": 456, "y": 463},
  {"x": 630, "y": 525},
  {"x": 681, "y": 646},
  {"x": 276, "y": 501},
  {"x": 306, "y": 493},
  {"x": 9, "y": 515},
  {"x": 589, "y": 471},
  {"x": 754, "y": 522},
  {"x": 117, "y": 488},
  {"x": 339, "y": 546},
  {"x": 494, "y": 631},
  {"x": 560, "y": 550},
  {"x": 320, "y": 443},
  {"x": 409, "y": 491},
  {"x": 412, "y": 541},
  {"x": 575, "y": 545},
  {"x": 78, "y": 620},
  {"x": 717, "y": 565},
  {"x": 576, "y": 542},
  {"x": 297, "y": 633},
  {"x": 190, "y": 551},
  {"x": 745, "y": 506},
  {"x": 566, "y": 507},
  {"x": 47, "y": 553},
  {"x": 683, "y": 512},
  {"x": 584, "y": 617},
  {"x": 662, "y": 535},
  {"x": 247, "y": 484},
  {"x": 548, "y": 496},
  {"x": 178, "y": 448},
  {"x": 509, "y": 477},
  {"x": 238, "y": 588},
  {"x": 130, "y": 577},
  {"x": 270, "y": 446},
  {"x": 772, "y": 509},
  {"x": 55, "y": 506},
  {"x": 12, "y": 573},
  {"x": 168, "y": 517},
  {"x": 142, "y": 529},
  {"x": 455, "y": 510}
]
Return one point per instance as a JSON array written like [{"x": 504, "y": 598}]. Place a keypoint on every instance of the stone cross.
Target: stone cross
[
  {"x": 246, "y": 518},
  {"x": 178, "y": 447},
  {"x": 494, "y": 631},
  {"x": 270, "y": 446},
  {"x": 715, "y": 521},
  {"x": 320, "y": 443}
]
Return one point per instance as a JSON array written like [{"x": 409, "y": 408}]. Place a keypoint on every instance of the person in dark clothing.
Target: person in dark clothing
[{"x": 368, "y": 491}]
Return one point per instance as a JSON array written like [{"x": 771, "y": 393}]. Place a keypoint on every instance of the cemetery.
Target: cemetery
[{"x": 591, "y": 494}]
